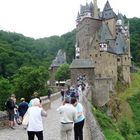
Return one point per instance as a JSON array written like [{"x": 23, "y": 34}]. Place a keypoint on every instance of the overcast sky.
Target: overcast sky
[{"x": 44, "y": 18}]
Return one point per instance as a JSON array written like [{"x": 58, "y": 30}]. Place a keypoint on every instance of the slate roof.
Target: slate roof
[
  {"x": 105, "y": 33},
  {"x": 86, "y": 8},
  {"x": 120, "y": 46},
  {"x": 120, "y": 17},
  {"x": 59, "y": 59},
  {"x": 82, "y": 63},
  {"x": 108, "y": 13}
]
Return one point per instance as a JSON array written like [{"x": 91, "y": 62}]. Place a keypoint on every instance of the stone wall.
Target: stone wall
[
  {"x": 3, "y": 119},
  {"x": 102, "y": 88},
  {"x": 106, "y": 65},
  {"x": 95, "y": 132}
]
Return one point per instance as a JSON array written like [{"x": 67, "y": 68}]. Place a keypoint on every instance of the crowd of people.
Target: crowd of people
[
  {"x": 34, "y": 111},
  {"x": 71, "y": 113}
]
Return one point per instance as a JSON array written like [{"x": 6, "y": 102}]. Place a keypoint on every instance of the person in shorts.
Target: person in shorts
[{"x": 10, "y": 106}]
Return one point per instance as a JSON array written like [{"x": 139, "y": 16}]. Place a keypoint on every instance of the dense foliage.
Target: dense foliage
[
  {"x": 135, "y": 39},
  {"x": 17, "y": 50},
  {"x": 63, "y": 73},
  {"x": 27, "y": 80},
  {"x": 135, "y": 105}
]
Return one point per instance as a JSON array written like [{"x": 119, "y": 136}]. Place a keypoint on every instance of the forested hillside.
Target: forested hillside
[
  {"x": 135, "y": 39},
  {"x": 17, "y": 50}
]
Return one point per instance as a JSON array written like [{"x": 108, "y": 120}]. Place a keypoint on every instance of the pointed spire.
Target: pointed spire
[
  {"x": 108, "y": 12},
  {"x": 107, "y": 6}
]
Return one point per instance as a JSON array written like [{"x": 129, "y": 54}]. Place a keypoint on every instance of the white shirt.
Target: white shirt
[
  {"x": 35, "y": 118},
  {"x": 68, "y": 113}
]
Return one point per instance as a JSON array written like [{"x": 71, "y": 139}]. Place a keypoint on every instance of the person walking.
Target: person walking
[
  {"x": 49, "y": 93},
  {"x": 35, "y": 95},
  {"x": 62, "y": 94},
  {"x": 10, "y": 106},
  {"x": 79, "y": 123},
  {"x": 35, "y": 124},
  {"x": 68, "y": 116},
  {"x": 22, "y": 108}
]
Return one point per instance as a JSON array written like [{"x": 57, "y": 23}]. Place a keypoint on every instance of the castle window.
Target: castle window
[
  {"x": 96, "y": 55},
  {"x": 118, "y": 59}
]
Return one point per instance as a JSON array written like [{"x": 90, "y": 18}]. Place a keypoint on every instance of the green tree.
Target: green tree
[
  {"x": 28, "y": 80},
  {"x": 62, "y": 73},
  {"x": 5, "y": 89}
]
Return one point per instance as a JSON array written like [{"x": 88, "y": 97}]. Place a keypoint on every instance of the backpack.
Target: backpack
[{"x": 9, "y": 104}]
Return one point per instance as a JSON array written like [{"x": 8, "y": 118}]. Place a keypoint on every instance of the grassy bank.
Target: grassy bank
[{"x": 126, "y": 124}]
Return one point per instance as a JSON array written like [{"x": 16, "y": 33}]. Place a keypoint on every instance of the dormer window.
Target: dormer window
[{"x": 103, "y": 47}]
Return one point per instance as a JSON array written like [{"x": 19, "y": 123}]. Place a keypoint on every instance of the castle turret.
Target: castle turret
[{"x": 110, "y": 18}]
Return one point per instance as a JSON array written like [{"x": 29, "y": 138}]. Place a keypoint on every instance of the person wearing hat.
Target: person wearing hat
[
  {"x": 22, "y": 108},
  {"x": 10, "y": 106},
  {"x": 68, "y": 116}
]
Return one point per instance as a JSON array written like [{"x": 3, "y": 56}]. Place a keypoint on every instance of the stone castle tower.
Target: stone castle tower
[
  {"x": 103, "y": 38},
  {"x": 56, "y": 63}
]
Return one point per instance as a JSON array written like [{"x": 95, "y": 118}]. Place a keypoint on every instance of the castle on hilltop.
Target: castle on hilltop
[{"x": 102, "y": 49}]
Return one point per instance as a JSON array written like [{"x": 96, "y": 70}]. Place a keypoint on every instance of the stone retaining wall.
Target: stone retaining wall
[
  {"x": 45, "y": 102},
  {"x": 3, "y": 119},
  {"x": 93, "y": 126}
]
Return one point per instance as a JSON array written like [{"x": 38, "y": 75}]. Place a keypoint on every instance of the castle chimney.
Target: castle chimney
[{"x": 95, "y": 10}]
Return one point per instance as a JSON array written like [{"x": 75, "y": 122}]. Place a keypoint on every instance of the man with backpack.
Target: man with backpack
[{"x": 10, "y": 106}]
